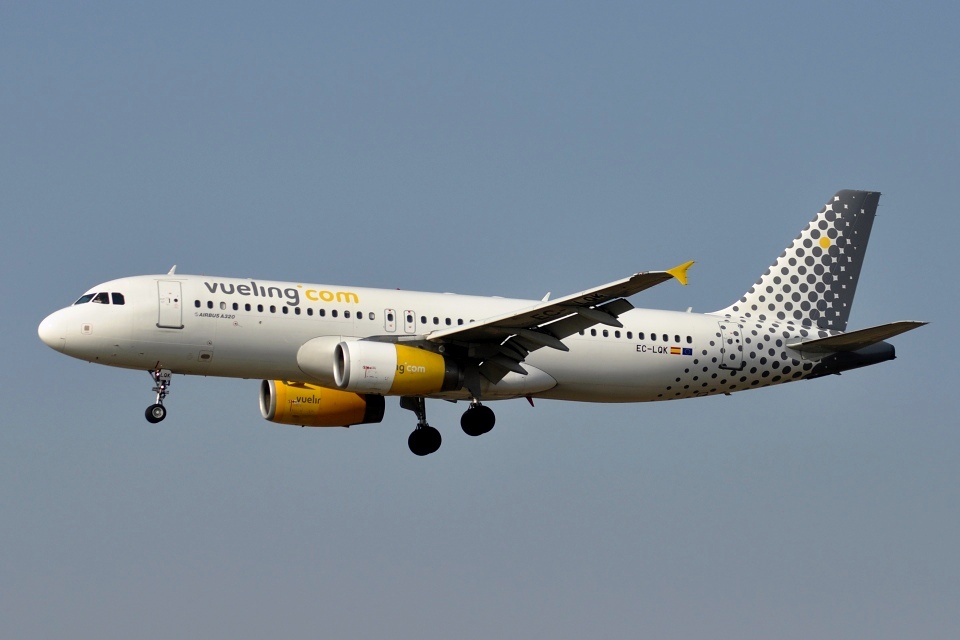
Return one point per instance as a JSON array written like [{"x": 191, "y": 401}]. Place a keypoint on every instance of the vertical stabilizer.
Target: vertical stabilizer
[{"x": 814, "y": 279}]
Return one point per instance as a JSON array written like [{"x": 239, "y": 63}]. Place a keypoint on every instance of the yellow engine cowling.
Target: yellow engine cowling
[
  {"x": 393, "y": 370},
  {"x": 311, "y": 406}
]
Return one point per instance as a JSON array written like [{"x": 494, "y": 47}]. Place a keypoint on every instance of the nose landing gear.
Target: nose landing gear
[{"x": 162, "y": 378}]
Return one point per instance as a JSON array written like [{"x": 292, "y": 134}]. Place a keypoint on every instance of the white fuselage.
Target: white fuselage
[{"x": 214, "y": 326}]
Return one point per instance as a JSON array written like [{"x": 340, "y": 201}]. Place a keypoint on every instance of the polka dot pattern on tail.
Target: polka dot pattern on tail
[{"x": 813, "y": 281}]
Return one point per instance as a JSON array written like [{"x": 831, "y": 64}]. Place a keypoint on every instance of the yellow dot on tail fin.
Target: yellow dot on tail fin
[
  {"x": 680, "y": 272},
  {"x": 825, "y": 242}
]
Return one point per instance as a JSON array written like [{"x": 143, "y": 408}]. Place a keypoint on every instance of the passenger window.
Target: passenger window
[
  {"x": 459, "y": 321},
  {"x": 236, "y": 307},
  {"x": 372, "y": 316},
  {"x": 653, "y": 337},
  {"x": 296, "y": 310},
  {"x": 309, "y": 311},
  {"x": 273, "y": 309},
  {"x": 409, "y": 318},
  {"x": 117, "y": 298},
  {"x": 616, "y": 334},
  {"x": 209, "y": 304},
  {"x": 246, "y": 307},
  {"x": 223, "y": 306},
  {"x": 689, "y": 340},
  {"x": 640, "y": 336},
  {"x": 333, "y": 314},
  {"x": 322, "y": 312},
  {"x": 449, "y": 322},
  {"x": 676, "y": 338},
  {"x": 196, "y": 303},
  {"x": 346, "y": 314},
  {"x": 260, "y": 308},
  {"x": 593, "y": 332},
  {"x": 423, "y": 319},
  {"x": 629, "y": 335},
  {"x": 606, "y": 334},
  {"x": 436, "y": 320},
  {"x": 285, "y": 310},
  {"x": 390, "y": 317}
]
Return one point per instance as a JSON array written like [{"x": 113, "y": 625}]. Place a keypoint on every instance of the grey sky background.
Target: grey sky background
[{"x": 506, "y": 148}]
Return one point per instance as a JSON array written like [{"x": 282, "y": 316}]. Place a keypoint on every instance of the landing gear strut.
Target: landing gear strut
[
  {"x": 425, "y": 439},
  {"x": 162, "y": 379},
  {"x": 477, "y": 420}
]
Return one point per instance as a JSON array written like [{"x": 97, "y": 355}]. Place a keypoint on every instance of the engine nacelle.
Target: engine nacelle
[
  {"x": 311, "y": 406},
  {"x": 393, "y": 369},
  {"x": 315, "y": 358}
]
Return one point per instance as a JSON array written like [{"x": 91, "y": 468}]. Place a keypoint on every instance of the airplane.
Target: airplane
[{"x": 328, "y": 355}]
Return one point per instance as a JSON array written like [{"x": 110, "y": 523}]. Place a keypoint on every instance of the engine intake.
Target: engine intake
[
  {"x": 394, "y": 370},
  {"x": 311, "y": 406}
]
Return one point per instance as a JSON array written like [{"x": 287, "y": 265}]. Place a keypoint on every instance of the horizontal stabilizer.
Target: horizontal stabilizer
[{"x": 855, "y": 340}]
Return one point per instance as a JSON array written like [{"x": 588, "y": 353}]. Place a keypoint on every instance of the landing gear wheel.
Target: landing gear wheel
[
  {"x": 424, "y": 440},
  {"x": 155, "y": 413},
  {"x": 477, "y": 420}
]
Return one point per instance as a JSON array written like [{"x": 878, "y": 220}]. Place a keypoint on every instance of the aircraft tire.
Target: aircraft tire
[
  {"x": 424, "y": 441},
  {"x": 477, "y": 420},
  {"x": 155, "y": 413}
]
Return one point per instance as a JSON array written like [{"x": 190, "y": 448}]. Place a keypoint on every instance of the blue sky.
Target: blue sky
[{"x": 498, "y": 149}]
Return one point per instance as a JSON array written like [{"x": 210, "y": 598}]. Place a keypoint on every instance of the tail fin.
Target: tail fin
[{"x": 814, "y": 279}]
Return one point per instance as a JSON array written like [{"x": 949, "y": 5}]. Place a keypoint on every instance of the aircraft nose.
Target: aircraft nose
[{"x": 53, "y": 331}]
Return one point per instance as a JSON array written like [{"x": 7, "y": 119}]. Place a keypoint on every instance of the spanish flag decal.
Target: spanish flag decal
[{"x": 676, "y": 351}]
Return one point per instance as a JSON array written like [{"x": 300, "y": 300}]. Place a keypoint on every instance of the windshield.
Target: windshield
[{"x": 101, "y": 298}]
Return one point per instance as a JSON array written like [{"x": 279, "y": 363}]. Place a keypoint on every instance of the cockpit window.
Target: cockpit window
[{"x": 101, "y": 298}]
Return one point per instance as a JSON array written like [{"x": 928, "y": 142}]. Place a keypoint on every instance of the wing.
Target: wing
[{"x": 502, "y": 342}]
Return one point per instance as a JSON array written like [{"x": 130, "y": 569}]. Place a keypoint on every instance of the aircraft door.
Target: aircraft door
[
  {"x": 171, "y": 305},
  {"x": 409, "y": 321},
  {"x": 731, "y": 346},
  {"x": 389, "y": 320}
]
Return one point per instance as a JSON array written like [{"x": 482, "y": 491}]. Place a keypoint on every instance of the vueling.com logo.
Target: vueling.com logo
[{"x": 290, "y": 294}]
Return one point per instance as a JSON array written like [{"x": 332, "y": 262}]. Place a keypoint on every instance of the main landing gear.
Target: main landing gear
[
  {"x": 425, "y": 439},
  {"x": 162, "y": 379},
  {"x": 476, "y": 421}
]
